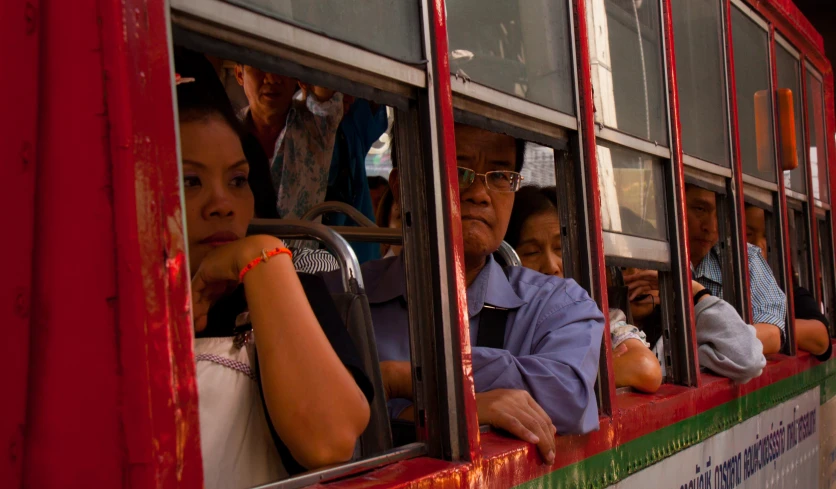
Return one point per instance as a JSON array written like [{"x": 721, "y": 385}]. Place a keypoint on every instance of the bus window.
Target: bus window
[
  {"x": 701, "y": 76},
  {"x": 828, "y": 299},
  {"x": 789, "y": 77},
  {"x": 627, "y": 69},
  {"x": 754, "y": 104},
  {"x": 799, "y": 244},
  {"x": 818, "y": 137},
  {"x": 396, "y": 25},
  {"x": 761, "y": 231},
  {"x": 518, "y": 47},
  {"x": 632, "y": 192}
]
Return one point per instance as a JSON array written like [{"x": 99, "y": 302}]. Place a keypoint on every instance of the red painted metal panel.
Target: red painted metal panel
[
  {"x": 19, "y": 27},
  {"x": 679, "y": 185},
  {"x": 737, "y": 169},
  {"x": 586, "y": 132},
  {"x": 791, "y": 23},
  {"x": 447, "y": 148},
  {"x": 508, "y": 462},
  {"x": 73, "y": 432},
  {"x": 160, "y": 415}
]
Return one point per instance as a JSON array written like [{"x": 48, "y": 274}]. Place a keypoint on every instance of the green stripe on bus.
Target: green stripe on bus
[{"x": 606, "y": 468}]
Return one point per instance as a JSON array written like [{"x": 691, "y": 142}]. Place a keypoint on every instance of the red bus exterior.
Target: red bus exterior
[{"x": 101, "y": 382}]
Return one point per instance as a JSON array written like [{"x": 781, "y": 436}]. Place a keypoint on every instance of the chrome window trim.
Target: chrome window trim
[
  {"x": 792, "y": 194},
  {"x": 758, "y": 194},
  {"x": 632, "y": 142},
  {"x": 757, "y": 182},
  {"x": 246, "y": 28},
  {"x": 636, "y": 248},
  {"x": 329, "y": 473},
  {"x": 508, "y": 103},
  {"x": 753, "y": 16},
  {"x": 706, "y": 166},
  {"x": 786, "y": 45}
]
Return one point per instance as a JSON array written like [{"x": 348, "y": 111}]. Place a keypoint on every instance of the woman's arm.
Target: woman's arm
[
  {"x": 637, "y": 367},
  {"x": 315, "y": 405},
  {"x": 811, "y": 336}
]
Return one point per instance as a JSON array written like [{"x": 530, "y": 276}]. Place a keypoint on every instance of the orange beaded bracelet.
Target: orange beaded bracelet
[{"x": 265, "y": 257}]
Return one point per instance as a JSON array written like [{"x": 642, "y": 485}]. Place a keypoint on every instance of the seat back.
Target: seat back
[
  {"x": 353, "y": 306},
  {"x": 507, "y": 256}
]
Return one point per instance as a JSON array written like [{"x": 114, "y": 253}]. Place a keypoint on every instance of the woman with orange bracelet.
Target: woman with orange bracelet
[{"x": 304, "y": 399}]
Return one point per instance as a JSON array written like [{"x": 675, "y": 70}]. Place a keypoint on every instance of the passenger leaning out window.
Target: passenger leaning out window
[
  {"x": 534, "y": 232},
  {"x": 304, "y": 402}
]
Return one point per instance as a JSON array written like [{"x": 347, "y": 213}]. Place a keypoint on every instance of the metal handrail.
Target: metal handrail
[
  {"x": 369, "y": 235},
  {"x": 318, "y": 476},
  {"x": 285, "y": 229},
  {"x": 340, "y": 207}
]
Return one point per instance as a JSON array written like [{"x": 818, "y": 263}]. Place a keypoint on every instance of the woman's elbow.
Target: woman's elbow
[
  {"x": 649, "y": 375},
  {"x": 641, "y": 372},
  {"x": 338, "y": 448},
  {"x": 336, "y": 443}
]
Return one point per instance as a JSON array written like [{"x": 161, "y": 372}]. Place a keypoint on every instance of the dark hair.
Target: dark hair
[
  {"x": 377, "y": 181},
  {"x": 206, "y": 97},
  {"x": 520, "y": 154},
  {"x": 529, "y": 201}
]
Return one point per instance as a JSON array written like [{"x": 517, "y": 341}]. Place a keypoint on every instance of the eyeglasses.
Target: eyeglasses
[{"x": 499, "y": 181}]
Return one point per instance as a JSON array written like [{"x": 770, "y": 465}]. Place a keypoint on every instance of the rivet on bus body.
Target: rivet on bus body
[
  {"x": 26, "y": 155},
  {"x": 30, "y": 15}
]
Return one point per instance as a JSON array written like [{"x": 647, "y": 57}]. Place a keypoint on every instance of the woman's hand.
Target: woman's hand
[
  {"x": 219, "y": 271},
  {"x": 642, "y": 283}
]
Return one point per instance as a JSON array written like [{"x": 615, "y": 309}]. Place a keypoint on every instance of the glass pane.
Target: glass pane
[
  {"x": 626, "y": 58},
  {"x": 390, "y": 28},
  {"x": 754, "y": 103},
  {"x": 701, "y": 74},
  {"x": 800, "y": 248},
  {"x": 520, "y": 47},
  {"x": 826, "y": 252},
  {"x": 632, "y": 192},
  {"x": 789, "y": 77},
  {"x": 538, "y": 167},
  {"x": 818, "y": 140}
]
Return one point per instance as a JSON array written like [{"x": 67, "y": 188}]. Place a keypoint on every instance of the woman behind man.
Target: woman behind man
[
  {"x": 302, "y": 402},
  {"x": 727, "y": 345}
]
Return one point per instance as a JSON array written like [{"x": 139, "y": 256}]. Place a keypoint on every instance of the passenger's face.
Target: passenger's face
[
  {"x": 219, "y": 202},
  {"x": 540, "y": 244},
  {"x": 267, "y": 93},
  {"x": 485, "y": 213},
  {"x": 756, "y": 228},
  {"x": 701, "y": 207}
]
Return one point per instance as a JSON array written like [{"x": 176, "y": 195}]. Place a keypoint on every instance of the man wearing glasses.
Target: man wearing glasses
[{"x": 536, "y": 338}]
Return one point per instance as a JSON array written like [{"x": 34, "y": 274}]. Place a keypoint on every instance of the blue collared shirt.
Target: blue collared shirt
[
  {"x": 552, "y": 337},
  {"x": 769, "y": 303}
]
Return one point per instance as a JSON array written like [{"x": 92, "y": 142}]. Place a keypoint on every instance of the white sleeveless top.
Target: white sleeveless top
[{"x": 238, "y": 450}]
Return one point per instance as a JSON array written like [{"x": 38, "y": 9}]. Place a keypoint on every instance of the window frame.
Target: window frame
[{"x": 440, "y": 385}]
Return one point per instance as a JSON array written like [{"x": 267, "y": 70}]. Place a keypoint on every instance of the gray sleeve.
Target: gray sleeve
[{"x": 727, "y": 345}]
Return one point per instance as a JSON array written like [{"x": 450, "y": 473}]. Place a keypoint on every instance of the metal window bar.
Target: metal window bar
[
  {"x": 338, "y": 207},
  {"x": 322, "y": 476}
]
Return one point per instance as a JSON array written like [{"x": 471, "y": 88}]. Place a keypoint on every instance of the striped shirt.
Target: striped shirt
[{"x": 769, "y": 304}]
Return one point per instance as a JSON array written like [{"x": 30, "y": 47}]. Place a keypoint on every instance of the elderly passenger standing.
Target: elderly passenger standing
[
  {"x": 296, "y": 130},
  {"x": 539, "y": 376}
]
